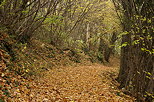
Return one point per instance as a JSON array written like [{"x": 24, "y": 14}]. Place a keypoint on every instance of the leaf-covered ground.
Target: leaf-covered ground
[{"x": 91, "y": 83}]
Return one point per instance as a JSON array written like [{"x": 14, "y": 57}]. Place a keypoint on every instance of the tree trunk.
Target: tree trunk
[{"x": 136, "y": 69}]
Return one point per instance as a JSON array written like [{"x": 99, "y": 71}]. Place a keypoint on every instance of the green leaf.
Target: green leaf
[
  {"x": 136, "y": 42},
  {"x": 149, "y": 21},
  {"x": 123, "y": 33},
  {"x": 143, "y": 49},
  {"x": 1, "y": 100},
  {"x": 124, "y": 44},
  {"x": 26, "y": 11}
]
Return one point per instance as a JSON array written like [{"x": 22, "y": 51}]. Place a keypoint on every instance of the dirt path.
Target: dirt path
[{"x": 77, "y": 84}]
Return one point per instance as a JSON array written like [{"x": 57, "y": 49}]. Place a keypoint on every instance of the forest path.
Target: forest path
[{"x": 93, "y": 83}]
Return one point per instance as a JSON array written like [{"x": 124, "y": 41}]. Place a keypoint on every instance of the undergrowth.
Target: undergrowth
[{"x": 21, "y": 63}]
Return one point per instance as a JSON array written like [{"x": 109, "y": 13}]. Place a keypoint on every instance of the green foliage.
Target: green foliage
[
  {"x": 123, "y": 33},
  {"x": 135, "y": 42},
  {"x": 149, "y": 51},
  {"x": 137, "y": 22},
  {"x": 1, "y": 100},
  {"x": 94, "y": 39},
  {"x": 6, "y": 92},
  {"x": 3, "y": 29},
  {"x": 25, "y": 12},
  {"x": 2, "y": 3},
  {"x": 100, "y": 56},
  {"x": 149, "y": 95},
  {"x": 53, "y": 20},
  {"x": 79, "y": 43},
  {"x": 124, "y": 44}
]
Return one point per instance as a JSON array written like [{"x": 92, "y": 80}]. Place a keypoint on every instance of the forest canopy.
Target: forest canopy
[{"x": 95, "y": 30}]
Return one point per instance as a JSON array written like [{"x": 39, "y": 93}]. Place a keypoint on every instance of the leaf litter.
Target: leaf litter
[{"x": 90, "y": 83}]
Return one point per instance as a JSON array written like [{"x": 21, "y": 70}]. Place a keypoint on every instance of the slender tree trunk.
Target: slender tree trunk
[{"x": 87, "y": 35}]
